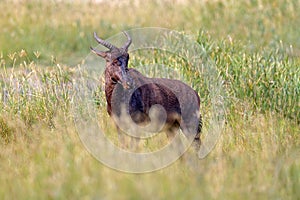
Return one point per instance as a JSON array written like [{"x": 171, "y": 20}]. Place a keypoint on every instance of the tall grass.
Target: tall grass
[
  {"x": 254, "y": 49},
  {"x": 265, "y": 80}
]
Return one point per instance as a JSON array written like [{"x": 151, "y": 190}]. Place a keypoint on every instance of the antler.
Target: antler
[
  {"x": 129, "y": 40},
  {"x": 99, "y": 53},
  {"x": 104, "y": 43}
]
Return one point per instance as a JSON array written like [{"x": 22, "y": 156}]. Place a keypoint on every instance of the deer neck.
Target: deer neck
[{"x": 109, "y": 87}]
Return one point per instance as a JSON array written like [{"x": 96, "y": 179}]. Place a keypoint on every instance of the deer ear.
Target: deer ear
[{"x": 99, "y": 53}]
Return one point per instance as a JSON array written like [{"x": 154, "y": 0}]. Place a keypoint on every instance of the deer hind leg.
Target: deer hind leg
[
  {"x": 178, "y": 144},
  {"x": 197, "y": 139},
  {"x": 189, "y": 128}
]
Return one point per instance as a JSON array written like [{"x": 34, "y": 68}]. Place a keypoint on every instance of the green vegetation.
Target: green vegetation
[{"x": 255, "y": 46}]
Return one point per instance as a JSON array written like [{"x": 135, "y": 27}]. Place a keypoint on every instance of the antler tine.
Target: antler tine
[
  {"x": 129, "y": 40},
  {"x": 103, "y": 42}
]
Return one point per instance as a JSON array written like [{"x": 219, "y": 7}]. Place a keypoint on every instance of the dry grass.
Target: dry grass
[{"x": 257, "y": 155}]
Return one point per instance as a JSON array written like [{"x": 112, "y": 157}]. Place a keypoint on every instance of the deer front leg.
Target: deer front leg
[
  {"x": 126, "y": 141},
  {"x": 121, "y": 138}
]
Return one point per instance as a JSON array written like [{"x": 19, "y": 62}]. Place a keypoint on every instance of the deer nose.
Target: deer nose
[{"x": 128, "y": 83}]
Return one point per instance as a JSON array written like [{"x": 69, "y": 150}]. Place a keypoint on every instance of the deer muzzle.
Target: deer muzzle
[{"x": 127, "y": 82}]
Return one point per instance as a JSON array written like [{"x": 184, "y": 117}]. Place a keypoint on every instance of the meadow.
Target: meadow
[{"x": 255, "y": 47}]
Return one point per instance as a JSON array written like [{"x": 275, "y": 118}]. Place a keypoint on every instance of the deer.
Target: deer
[{"x": 127, "y": 86}]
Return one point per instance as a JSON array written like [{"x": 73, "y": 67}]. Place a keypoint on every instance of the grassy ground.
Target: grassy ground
[{"x": 255, "y": 46}]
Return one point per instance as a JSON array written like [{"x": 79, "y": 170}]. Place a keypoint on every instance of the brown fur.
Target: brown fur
[{"x": 180, "y": 101}]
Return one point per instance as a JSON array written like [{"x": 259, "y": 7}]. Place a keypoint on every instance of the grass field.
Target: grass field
[{"x": 255, "y": 47}]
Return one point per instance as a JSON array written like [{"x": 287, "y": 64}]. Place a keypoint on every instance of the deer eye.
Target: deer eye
[{"x": 114, "y": 80}]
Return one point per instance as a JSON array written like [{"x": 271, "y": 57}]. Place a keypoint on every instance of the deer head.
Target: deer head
[{"x": 116, "y": 61}]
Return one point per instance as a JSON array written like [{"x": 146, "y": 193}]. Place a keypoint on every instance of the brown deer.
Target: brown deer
[{"x": 127, "y": 86}]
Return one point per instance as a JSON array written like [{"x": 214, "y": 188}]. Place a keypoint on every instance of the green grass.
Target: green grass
[{"x": 255, "y": 47}]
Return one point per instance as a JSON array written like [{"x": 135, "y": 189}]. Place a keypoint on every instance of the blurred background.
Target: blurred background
[{"x": 64, "y": 28}]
